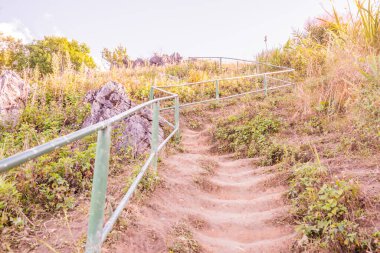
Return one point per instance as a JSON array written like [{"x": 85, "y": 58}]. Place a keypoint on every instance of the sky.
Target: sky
[{"x": 230, "y": 28}]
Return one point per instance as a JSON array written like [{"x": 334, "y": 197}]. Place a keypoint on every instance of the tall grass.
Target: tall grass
[{"x": 365, "y": 23}]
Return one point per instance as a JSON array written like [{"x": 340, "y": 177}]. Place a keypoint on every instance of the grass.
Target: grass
[
  {"x": 337, "y": 66},
  {"x": 183, "y": 240},
  {"x": 328, "y": 213}
]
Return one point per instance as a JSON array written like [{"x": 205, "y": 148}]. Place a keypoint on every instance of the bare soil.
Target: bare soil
[
  {"x": 209, "y": 202},
  {"x": 223, "y": 202}
]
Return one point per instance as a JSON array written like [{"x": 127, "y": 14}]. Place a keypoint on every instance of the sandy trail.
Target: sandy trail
[{"x": 224, "y": 202}]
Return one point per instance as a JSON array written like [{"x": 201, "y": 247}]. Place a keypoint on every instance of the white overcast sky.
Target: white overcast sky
[{"x": 234, "y": 28}]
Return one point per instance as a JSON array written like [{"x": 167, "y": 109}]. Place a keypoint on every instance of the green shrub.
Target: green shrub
[
  {"x": 148, "y": 183},
  {"x": 327, "y": 213},
  {"x": 328, "y": 218},
  {"x": 180, "y": 71},
  {"x": 274, "y": 154},
  {"x": 246, "y": 136},
  {"x": 9, "y": 204},
  {"x": 51, "y": 181}
]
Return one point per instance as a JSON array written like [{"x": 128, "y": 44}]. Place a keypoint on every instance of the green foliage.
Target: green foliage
[
  {"x": 116, "y": 58},
  {"x": 9, "y": 204},
  {"x": 369, "y": 102},
  {"x": 365, "y": 23},
  {"x": 51, "y": 181},
  {"x": 148, "y": 183},
  {"x": 9, "y": 49},
  {"x": 183, "y": 240},
  {"x": 45, "y": 54},
  {"x": 244, "y": 135},
  {"x": 328, "y": 214},
  {"x": 180, "y": 71},
  {"x": 250, "y": 136},
  {"x": 314, "y": 125},
  {"x": 274, "y": 154},
  {"x": 303, "y": 53}
]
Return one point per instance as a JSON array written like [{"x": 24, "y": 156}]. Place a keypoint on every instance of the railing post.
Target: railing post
[
  {"x": 265, "y": 85},
  {"x": 176, "y": 116},
  {"x": 99, "y": 189},
  {"x": 154, "y": 142},
  {"x": 151, "y": 93},
  {"x": 217, "y": 89}
]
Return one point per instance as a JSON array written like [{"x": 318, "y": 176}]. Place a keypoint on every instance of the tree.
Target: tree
[
  {"x": 10, "y": 48},
  {"x": 46, "y": 52},
  {"x": 116, "y": 58}
]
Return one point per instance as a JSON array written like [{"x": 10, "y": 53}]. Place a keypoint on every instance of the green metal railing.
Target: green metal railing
[
  {"x": 265, "y": 76},
  {"x": 97, "y": 233}
]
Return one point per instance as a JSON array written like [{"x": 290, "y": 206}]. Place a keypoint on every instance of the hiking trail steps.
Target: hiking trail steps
[{"x": 223, "y": 201}]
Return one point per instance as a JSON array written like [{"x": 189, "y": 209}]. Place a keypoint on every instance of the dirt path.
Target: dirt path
[{"x": 216, "y": 202}]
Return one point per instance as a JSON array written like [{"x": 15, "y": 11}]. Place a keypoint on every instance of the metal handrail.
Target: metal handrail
[
  {"x": 238, "y": 60},
  {"x": 96, "y": 233},
  {"x": 216, "y": 81},
  {"x": 226, "y": 79}
]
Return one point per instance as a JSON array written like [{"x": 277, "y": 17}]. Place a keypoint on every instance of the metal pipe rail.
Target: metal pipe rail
[
  {"x": 225, "y": 79},
  {"x": 236, "y": 59},
  {"x": 265, "y": 89},
  {"x": 96, "y": 234}
]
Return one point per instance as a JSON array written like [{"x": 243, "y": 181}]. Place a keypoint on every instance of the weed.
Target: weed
[
  {"x": 194, "y": 124},
  {"x": 147, "y": 185},
  {"x": 209, "y": 166},
  {"x": 10, "y": 204},
  {"x": 246, "y": 136},
  {"x": 314, "y": 125},
  {"x": 183, "y": 240},
  {"x": 273, "y": 154},
  {"x": 328, "y": 214},
  {"x": 205, "y": 184}
]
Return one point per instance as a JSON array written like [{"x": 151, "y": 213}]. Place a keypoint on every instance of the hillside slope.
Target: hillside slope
[{"x": 208, "y": 203}]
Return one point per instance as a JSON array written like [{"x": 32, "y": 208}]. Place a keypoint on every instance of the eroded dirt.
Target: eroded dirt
[{"x": 223, "y": 202}]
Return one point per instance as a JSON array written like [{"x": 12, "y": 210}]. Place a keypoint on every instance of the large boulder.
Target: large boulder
[
  {"x": 136, "y": 130},
  {"x": 139, "y": 62},
  {"x": 156, "y": 60},
  {"x": 175, "y": 58},
  {"x": 13, "y": 97},
  {"x": 166, "y": 59}
]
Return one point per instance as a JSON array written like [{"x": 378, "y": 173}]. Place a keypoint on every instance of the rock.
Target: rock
[
  {"x": 139, "y": 62},
  {"x": 111, "y": 100},
  {"x": 175, "y": 58},
  {"x": 13, "y": 97},
  {"x": 166, "y": 59},
  {"x": 156, "y": 60}
]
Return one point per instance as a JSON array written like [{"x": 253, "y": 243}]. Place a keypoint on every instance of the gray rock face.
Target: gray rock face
[
  {"x": 111, "y": 100},
  {"x": 175, "y": 58},
  {"x": 156, "y": 60},
  {"x": 138, "y": 63},
  {"x": 13, "y": 97}
]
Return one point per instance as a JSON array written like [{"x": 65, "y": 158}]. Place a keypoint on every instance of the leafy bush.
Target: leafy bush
[
  {"x": 51, "y": 181},
  {"x": 10, "y": 205},
  {"x": 249, "y": 136},
  {"x": 147, "y": 184},
  {"x": 328, "y": 214},
  {"x": 180, "y": 71}
]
